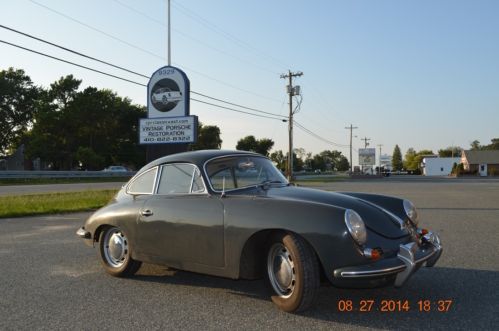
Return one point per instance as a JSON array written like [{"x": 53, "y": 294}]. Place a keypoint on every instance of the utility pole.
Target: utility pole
[
  {"x": 291, "y": 90},
  {"x": 366, "y": 141},
  {"x": 169, "y": 36},
  {"x": 351, "y": 128},
  {"x": 380, "y": 145}
]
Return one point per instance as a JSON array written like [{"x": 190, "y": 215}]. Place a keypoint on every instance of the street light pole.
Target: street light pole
[{"x": 169, "y": 36}]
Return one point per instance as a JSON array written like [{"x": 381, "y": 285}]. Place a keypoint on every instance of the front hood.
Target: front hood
[{"x": 375, "y": 218}]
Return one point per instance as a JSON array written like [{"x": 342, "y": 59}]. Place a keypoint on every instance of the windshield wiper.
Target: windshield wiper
[{"x": 267, "y": 183}]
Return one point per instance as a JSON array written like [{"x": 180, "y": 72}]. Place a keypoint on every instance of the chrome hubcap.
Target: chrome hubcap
[
  {"x": 115, "y": 248},
  {"x": 281, "y": 270}
]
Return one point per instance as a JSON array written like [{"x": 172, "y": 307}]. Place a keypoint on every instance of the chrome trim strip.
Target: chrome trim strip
[{"x": 371, "y": 273}]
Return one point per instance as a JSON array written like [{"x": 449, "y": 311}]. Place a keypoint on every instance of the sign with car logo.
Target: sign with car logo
[
  {"x": 367, "y": 156},
  {"x": 168, "y": 120},
  {"x": 168, "y": 93}
]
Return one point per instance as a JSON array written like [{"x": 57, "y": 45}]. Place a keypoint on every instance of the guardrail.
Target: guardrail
[{"x": 63, "y": 174}]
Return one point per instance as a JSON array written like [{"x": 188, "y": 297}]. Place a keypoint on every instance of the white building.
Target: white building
[
  {"x": 439, "y": 166},
  {"x": 386, "y": 162}
]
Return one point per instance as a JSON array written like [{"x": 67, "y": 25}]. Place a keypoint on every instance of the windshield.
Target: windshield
[{"x": 242, "y": 171}]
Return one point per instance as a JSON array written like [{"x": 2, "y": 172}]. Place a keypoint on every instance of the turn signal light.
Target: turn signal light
[
  {"x": 373, "y": 253},
  {"x": 422, "y": 232}
]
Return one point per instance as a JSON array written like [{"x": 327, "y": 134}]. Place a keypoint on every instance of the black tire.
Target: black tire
[
  {"x": 115, "y": 253},
  {"x": 292, "y": 272}
]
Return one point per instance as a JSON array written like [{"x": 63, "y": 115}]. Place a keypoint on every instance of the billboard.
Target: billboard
[
  {"x": 168, "y": 93},
  {"x": 367, "y": 156},
  {"x": 168, "y": 130}
]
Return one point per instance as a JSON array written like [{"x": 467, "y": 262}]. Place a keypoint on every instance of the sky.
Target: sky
[{"x": 421, "y": 74}]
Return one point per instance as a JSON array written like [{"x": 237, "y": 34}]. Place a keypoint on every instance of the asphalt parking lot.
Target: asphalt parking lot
[{"x": 50, "y": 280}]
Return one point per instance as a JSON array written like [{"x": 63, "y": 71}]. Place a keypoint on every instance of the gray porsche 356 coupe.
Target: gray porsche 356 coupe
[{"x": 233, "y": 214}]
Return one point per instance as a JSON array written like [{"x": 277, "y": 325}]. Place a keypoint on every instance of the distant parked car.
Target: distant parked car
[
  {"x": 165, "y": 95},
  {"x": 317, "y": 171},
  {"x": 116, "y": 169},
  {"x": 233, "y": 214}
]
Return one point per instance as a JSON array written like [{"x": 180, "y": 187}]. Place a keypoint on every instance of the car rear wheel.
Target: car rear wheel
[
  {"x": 115, "y": 253},
  {"x": 292, "y": 272}
]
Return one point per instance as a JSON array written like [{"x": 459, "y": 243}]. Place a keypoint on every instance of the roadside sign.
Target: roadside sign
[
  {"x": 367, "y": 156},
  {"x": 168, "y": 93},
  {"x": 168, "y": 130}
]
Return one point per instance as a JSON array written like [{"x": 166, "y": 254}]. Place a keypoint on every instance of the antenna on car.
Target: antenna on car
[{"x": 223, "y": 187}]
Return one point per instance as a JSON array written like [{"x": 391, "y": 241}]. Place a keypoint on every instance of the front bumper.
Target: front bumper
[
  {"x": 409, "y": 259},
  {"x": 82, "y": 233}
]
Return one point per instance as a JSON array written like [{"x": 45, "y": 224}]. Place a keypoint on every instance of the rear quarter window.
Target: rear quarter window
[{"x": 144, "y": 183}]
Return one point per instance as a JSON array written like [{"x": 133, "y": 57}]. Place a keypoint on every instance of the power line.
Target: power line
[
  {"x": 142, "y": 49},
  {"x": 239, "y": 111},
  {"x": 128, "y": 70},
  {"x": 72, "y": 63},
  {"x": 97, "y": 30},
  {"x": 71, "y": 51},
  {"x": 201, "y": 42},
  {"x": 237, "y": 105},
  {"x": 133, "y": 82},
  {"x": 201, "y": 20},
  {"x": 319, "y": 137}
]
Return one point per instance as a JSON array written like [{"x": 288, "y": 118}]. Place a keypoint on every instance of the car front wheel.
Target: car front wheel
[
  {"x": 293, "y": 272},
  {"x": 115, "y": 253}
]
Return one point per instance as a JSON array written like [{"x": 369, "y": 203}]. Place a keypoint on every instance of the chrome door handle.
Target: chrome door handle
[{"x": 146, "y": 212}]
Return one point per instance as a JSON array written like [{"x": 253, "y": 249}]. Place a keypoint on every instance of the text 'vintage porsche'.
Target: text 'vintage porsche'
[{"x": 233, "y": 214}]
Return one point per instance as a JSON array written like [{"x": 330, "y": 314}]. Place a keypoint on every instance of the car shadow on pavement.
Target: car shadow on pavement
[{"x": 420, "y": 304}]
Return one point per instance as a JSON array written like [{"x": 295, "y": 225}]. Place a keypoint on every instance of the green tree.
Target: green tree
[
  {"x": 280, "y": 160},
  {"x": 343, "y": 164},
  {"x": 250, "y": 143},
  {"x": 333, "y": 160},
  {"x": 409, "y": 159},
  {"x": 208, "y": 138},
  {"x": 493, "y": 146},
  {"x": 413, "y": 159},
  {"x": 18, "y": 106},
  {"x": 63, "y": 91},
  {"x": 94, "y": 128},
  {"x": 451, "y": 151},
  {"x": 397, "y": 164},
  {"x": 475, "y": 145}
]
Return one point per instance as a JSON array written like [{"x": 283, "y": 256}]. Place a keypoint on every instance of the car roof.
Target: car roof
[{"x": 196, "y": 157}]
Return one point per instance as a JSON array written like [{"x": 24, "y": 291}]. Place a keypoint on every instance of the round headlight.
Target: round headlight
[
  {"x": 356, "y": 226},
  {"x": 410, "y": 211}
]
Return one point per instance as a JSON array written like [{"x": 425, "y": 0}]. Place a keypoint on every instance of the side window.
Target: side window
[
  {"x": 217, "y": 180},
  {"x": 143, "y": 184},
  {"x": 248, "y": 173},
  {"x": 180, "y": 179},
  {"x": 197, "y": 182}
]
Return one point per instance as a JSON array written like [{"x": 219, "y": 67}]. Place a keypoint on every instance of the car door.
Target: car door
[{"x": 181, "y": 222}]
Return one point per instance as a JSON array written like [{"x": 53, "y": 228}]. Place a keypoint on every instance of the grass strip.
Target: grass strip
[
  {"x": 35, "y": 181},
  {"x": 51, "y": 203}
]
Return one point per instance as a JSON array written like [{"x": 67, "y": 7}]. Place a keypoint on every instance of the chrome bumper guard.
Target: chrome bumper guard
[
  {"x": 412, "y": 258},
  {"x": 83, "y": 234}
]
